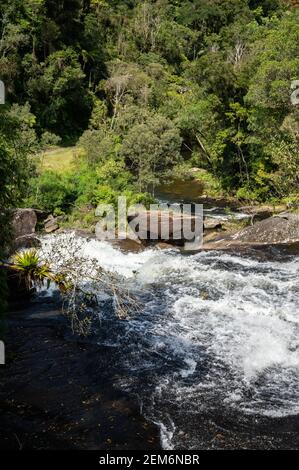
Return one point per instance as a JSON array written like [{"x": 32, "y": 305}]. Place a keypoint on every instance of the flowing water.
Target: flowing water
[
  {"x": 190, "y": 191},
  {"x": 218, "y": 336}
]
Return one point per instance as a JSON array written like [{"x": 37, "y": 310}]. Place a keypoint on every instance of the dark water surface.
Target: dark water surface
[{"x": 181, "y": 191}]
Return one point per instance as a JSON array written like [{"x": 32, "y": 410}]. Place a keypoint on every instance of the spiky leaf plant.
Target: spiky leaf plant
[{"x": 33, "y": 271}]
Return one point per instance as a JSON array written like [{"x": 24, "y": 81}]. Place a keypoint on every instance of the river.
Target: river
[
  {"x": 191, "y": 191},
  {"x": 213, "y": 355}
]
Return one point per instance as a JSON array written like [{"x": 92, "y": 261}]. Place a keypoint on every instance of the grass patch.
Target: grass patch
[{"x": 60, "y": 159}]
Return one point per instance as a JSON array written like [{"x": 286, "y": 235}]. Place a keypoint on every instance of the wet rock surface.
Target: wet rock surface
[
  {"x": 57, "y": 392},
  {"x": 257, "y": 212},
  {"x": 234, "y": 432}
]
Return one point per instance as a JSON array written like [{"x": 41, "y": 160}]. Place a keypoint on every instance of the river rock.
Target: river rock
[
  {"x": 26, "y": 241},
  {"x": 57, "y": 391},
  {"x": 24, "y": 222},
  {"x": 128, "y": 235},
  {"x": 232, "y": 204},
  {"x": 212, "y": 224},
  {"x": 257, "y": 213},
  {"x": 168, "y": 227},
  {"x": 164, "y": 246},
  {"x": 51, "y": 224},
  {"x": 283, "y": 228}
]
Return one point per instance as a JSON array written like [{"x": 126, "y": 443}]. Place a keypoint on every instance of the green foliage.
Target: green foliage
[
  {"x": 27, "y": 264},
  {"x": 150, "y": 87},
  {"x": 34, "y": 273},
  {"x": 52, "y": 191},
  {"x": 151, "y": 149},
  {"x": 49, "y": 139},
  {"x": 211, "y": 185},
  {"x": 99, "y": 146},
  {"x": 17, "y": 142},
  {"x": 56, "y": 92},
  {"x": 105, "y": 184}
]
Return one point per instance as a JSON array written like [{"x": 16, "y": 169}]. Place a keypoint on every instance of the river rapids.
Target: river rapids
[{"x": 217, "y": 338}]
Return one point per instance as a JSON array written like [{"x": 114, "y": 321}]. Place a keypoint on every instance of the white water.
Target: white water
[{"x": 217, "y": 330}]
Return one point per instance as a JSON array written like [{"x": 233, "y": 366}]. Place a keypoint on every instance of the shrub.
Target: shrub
[{"x": 52, "y": 191}]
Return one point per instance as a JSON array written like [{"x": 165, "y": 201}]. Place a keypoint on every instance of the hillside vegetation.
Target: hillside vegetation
[{"x": 147, "y": 90}]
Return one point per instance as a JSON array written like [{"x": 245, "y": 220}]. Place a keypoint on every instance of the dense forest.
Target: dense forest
[
  {"x": 150, "y": 88},
  {"x": 147, "y": 90}
]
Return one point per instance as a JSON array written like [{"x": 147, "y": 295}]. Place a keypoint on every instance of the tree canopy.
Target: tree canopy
[{"x": 216, "y": 73}]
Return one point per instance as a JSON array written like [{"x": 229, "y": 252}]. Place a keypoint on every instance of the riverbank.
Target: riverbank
[{"x": 58, "y": 392}]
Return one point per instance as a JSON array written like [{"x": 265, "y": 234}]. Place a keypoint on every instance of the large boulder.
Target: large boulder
[
  {"x": 283, "y": 228},
  {"x": 154, "y": 226},
  {"x": 24, "y": 222}
]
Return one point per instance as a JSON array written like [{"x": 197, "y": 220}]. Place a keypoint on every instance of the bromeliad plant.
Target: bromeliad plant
[
  {"x": 79, "y": 280},
  {"x": 35, "y": 273}
]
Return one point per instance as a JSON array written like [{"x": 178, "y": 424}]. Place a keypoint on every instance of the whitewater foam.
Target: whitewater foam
[{"x": 217, "y": 329}]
